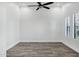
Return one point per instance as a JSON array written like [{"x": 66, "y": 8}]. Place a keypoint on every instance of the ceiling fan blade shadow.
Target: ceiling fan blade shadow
[{"x": 48, "y": 3}]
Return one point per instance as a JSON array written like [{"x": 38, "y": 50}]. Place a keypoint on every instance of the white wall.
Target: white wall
[
  {"x": 33, "y": 28},
  {"x": 69, "y": 11},
  {"x": 9, "y": 27},
  {"x": 12, "y": 16},
  {"x": 40, "y": 26},
  {"x": 2, "y": 31}
]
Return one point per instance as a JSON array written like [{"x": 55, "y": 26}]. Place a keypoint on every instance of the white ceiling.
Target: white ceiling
[
  {"x": 55, "y": 4},
  {"x": 67, "y": 6}
]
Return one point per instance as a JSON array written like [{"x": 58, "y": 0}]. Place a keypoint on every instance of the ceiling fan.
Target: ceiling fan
[{"x": 40, "y": 5}]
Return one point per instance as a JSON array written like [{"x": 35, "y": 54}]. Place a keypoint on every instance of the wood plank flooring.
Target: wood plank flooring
[{"x": 41, "y": 49}]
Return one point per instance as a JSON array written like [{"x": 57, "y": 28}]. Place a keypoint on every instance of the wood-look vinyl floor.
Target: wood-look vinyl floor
[{"x": 41, "y": 49}]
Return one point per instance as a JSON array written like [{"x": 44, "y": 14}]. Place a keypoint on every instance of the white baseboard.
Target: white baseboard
[
  {"x": 75, "y": 49},
  {"x": 40, "y": 40},
  {"x": 13, "y": 45}
]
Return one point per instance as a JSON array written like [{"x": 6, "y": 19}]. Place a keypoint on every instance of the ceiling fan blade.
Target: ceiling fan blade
[
  {"x": 48, "y": 3},
  {"x": 46, "y": 7},
  {"x": 39, "y": 3},
  {"x": 37, "y": 8}
]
